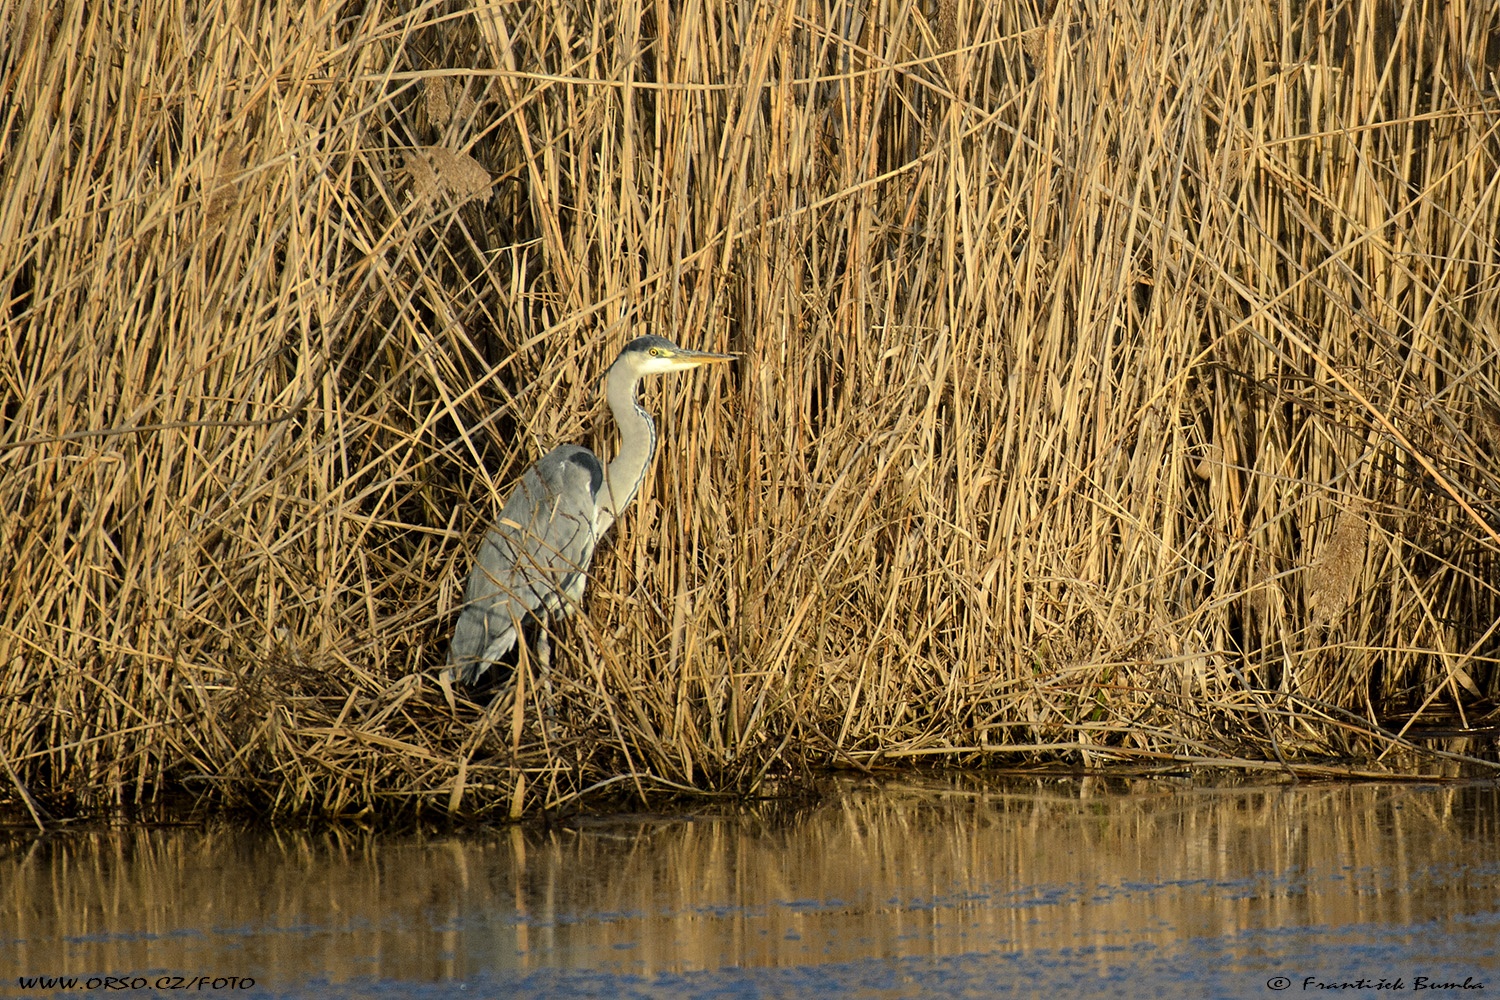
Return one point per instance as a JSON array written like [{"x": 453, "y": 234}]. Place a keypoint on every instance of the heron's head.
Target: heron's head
[{"x": 656, "y": 355}]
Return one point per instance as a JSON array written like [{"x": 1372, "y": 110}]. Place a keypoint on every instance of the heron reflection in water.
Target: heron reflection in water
[{"x": 533, "y": 563}]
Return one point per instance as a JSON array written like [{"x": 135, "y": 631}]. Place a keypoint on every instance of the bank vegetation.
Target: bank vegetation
[{"x": 1118, "y": 383}]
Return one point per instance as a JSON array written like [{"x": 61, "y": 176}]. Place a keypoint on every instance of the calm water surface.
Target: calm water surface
[{"x": 960, "y": 887}]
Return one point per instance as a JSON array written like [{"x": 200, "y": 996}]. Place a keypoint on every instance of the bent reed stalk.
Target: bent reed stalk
[{"x": 1119, "y": 382}]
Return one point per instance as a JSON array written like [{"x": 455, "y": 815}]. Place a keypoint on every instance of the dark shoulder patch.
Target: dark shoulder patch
[{"x": 585, "y": 459}]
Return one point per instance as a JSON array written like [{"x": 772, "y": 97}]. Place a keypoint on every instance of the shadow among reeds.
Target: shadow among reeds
[{"x": 1119, "y": 381}]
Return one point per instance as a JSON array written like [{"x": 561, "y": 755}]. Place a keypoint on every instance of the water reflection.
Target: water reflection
[{"x": 1017, "y": 882}]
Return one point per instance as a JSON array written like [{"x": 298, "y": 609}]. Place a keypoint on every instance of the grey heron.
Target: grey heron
[{"x": 533, "y": 563}]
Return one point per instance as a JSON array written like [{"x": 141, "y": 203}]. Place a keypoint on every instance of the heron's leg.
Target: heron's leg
[
  {"x": 544, "y": 671},
  {"x": 544, "y": 662},
  {"x": 543, "y": 650}
]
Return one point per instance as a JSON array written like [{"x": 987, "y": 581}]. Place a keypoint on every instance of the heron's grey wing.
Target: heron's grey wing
[{"x": 534, "y": 560}]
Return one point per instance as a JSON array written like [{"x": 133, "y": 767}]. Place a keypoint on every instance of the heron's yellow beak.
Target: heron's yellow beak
[{"x": 692, "y": 359}]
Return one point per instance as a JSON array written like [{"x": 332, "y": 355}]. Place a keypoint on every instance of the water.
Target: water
[{"x": 958, "y": 887}]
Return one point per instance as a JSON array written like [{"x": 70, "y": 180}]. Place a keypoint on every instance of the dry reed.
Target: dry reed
[{"x": 1068, "y": 333}]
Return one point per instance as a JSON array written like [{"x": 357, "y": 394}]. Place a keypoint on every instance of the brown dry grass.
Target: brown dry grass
[{"x": 1068, "y": 335}]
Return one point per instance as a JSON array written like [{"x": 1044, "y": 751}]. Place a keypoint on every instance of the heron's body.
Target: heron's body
[{"x": 533, "y": 563}]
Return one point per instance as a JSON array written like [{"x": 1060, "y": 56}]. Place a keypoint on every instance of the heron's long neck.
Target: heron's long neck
[{"x": 623, "y": 478}]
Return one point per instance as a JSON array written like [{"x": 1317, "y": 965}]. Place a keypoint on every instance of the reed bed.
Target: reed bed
[{"x": 1118, "y": 381}]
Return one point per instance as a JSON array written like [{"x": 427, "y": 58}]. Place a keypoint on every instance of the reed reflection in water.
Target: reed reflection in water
[{"x": 1018, "y": 886}]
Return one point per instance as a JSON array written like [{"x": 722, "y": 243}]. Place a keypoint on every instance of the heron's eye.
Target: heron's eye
[{"x": 655, "y": 352}]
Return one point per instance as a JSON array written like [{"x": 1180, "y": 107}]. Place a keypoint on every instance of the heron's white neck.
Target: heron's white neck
[{"x": 623, "y": 477}]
